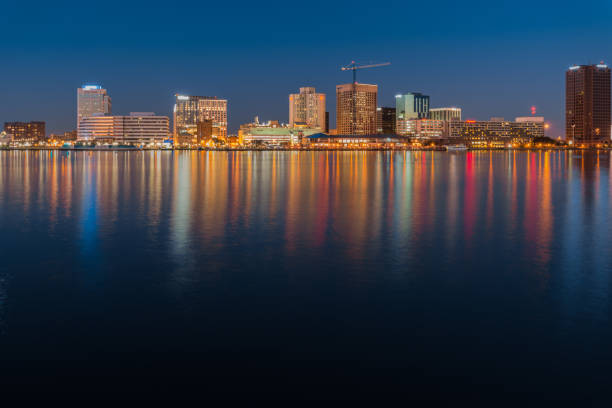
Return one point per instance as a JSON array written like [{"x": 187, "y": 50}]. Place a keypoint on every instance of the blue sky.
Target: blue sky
[{"x": 489, "y": 59}]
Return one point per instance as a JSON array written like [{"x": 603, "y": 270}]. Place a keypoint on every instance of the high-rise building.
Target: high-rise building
[
  {"x": 139, "y": 127},
  {"x": 326, "y": 122},
  {"x": 587, "y": 103},
  {"x": 308, "y": 108},
  {"x": 411, "y": 106},
  {"x": 189, "y": 110},
  {"x": 356, "y": 109},
  {"x": 25, "y": 131},
  {"x": 385, "y": 121},
  {"x": 92, "y": 100},
  {"x": 446, "y": 114}
]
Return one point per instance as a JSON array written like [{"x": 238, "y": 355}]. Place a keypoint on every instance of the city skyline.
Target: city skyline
[{"x": 488, "y": 67}]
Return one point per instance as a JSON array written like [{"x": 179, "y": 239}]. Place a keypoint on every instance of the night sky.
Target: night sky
[{"x": 489, "y": 58}]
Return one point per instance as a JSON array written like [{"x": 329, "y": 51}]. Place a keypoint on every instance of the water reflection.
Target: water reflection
[{"x": 188, "y": 221}]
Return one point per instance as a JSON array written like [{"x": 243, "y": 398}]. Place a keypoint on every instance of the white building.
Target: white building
[
  {"x": 446, "y": 114},
  {"x": 138, "y": 128}
]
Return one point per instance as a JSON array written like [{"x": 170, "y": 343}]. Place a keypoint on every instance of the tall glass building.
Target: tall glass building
[{"x": 411, "y": 106}]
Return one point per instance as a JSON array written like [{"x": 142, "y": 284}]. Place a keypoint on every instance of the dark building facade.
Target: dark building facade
[
  {"x": 205, "y": 130},
  {"x": 587, "y": 104},
  {"x": 385, "y": 119},
  {"x": 25, "y": 131}
]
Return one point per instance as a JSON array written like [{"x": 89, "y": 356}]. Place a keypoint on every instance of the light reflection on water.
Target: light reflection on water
[{"x": 133, "y": 238}]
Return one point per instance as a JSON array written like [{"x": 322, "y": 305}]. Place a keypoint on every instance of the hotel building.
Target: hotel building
[
  {"x": 25, "y": 131},
  {"x": 494, "y": 133},
  {"x": 189, "y": 110},
  {"x": 307, "y": 108},
  {"x": 356, "y": 109},
  {"x": 138, "y": 128},
  {"x": 447, "y": 114},
  {"x": 423, "y": 128},
  {"x": 587, "y": 104}
]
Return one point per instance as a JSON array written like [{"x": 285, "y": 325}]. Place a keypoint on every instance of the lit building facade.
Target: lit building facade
[
  {"x": 92, "y": 100},
  {"x": 274, "y": 133},
  {"x": 25, "y": 131},
  {"x": 447, "y": 114},
  {"x": 385, "y": 121},
  {"x": 322, "y": 140},
  {"x": 411, "y": 106},
  {"x": 138, "y": 128},
  {"x": 189, "y": 110},
  {"x": 535, "y": 125},
  {"x": 423, "y": 128},
  {"x": 308, "y": 108},
  {"x": 356, "y": 109},
  {"x": 494, "y": 133},
  {"x": 587, "y": 104}
]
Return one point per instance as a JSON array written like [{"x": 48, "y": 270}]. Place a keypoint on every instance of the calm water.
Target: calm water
[{"x": 472, "y": 273}]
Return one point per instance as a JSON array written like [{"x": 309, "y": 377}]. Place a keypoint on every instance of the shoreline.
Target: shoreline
[{"x": 398, "y": 149}]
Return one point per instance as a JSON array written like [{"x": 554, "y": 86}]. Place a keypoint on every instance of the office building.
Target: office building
[
  {"x": 587, "y": 104},
  {"x": 385, "y": 121},
  {"x": 92, "y": 100},
  {"x": 138, "y": 128},
  {"x": 308, "y": 108},
  {"x": 326, "y": 122},
  {"x": 189, "y": 110},
  {"x": 411, "y": 106},
  {"x": 356, "y": 109},
  {"x": 446, "y": 114},
  {"x": 25, "y": 131}
]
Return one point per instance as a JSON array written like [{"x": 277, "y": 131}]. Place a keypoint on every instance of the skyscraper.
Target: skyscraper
[
  {"x": 92, "y": 100},
  {"x": 356, "y": 109},
  {"x": 587, "y": 103},
  {"x": 308, "y": 108},
  {"x": 412, "y": 106},
  {"x": 190, "y": 110}
]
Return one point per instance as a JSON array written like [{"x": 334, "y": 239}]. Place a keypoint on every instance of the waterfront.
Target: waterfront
[{"x": 475, "y": 272}]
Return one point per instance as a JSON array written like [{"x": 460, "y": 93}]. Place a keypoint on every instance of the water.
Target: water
[{"x": 448, "y": 275}]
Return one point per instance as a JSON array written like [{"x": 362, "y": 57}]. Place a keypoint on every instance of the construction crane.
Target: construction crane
[{"x": 354, "y": 67}]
